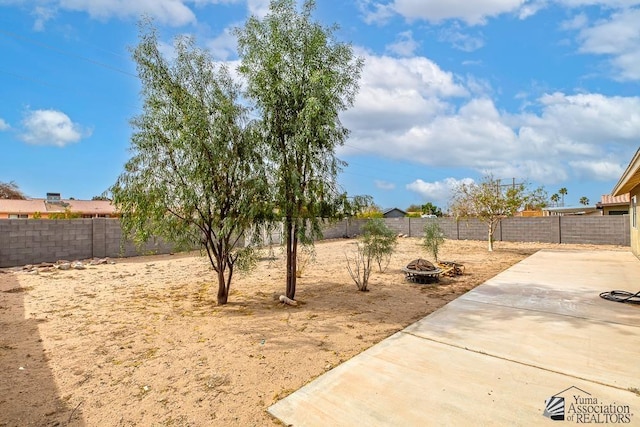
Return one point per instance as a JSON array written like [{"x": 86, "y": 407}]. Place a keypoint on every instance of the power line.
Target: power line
[{"x": 63, "y": 52}]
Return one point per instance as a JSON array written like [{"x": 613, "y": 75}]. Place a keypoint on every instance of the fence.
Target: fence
[
  {"x": 46, "y": 240},
  {"x": 33, "y": 241}
]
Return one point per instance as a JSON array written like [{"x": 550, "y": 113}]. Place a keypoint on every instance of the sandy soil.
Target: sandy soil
[{"x": 142, "y": 343}]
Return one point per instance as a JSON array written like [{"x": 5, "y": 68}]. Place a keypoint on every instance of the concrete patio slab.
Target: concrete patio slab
[{"x": 494, "y": 355}]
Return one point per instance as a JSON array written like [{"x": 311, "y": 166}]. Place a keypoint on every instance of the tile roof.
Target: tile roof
[
  {"x": 94, "y": 207},
  {"x": 608, "y": 199},
  {"x": 22, "y": 206}
]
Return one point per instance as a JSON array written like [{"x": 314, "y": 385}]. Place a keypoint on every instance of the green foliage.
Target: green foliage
[
  {"x": 300, "y": 79},
  {"x": 370, "y": 212},
  {"x": 379, "y": 242},
  {"x": 431, "y": 209},
  {"x": 413, "y": 215},
  {"x": 584, "y": 201},
  {"x": 67, "y": 214},
  {"x": 563, "y": 192},
  {"x": 489, "y": 201},
  {"x": 195, "y": 176},
  {"x": 433, "y": 237}
]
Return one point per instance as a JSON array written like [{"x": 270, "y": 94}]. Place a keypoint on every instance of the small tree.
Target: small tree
[
  {"x": 10, "y": 190},
  {"x": 360, "y": 266},
  {"x": 490, "y": 202},
  {"x": 379, "y": 241},
  {"x": 433, "y": 237},
  {"x": 195, "y": 176}
]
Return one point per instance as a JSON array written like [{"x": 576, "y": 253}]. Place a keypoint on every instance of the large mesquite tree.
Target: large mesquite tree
[
  {"x": 195, "y": 173},
  {"x": 300, "y": 79}
]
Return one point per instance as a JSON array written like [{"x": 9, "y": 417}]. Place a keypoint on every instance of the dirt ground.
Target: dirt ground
[{"x": 142, "y": 343}]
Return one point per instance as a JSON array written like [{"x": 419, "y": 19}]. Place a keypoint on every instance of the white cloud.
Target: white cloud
[
  {"x": 460, "y": 40},
  {"x": 51, "y": 127},
  {"x": 576, "y": 23},
  {"x": 375, "y": 12},
  {"x": 617, "y": 37},
  {"x": 473, "y": 12},
  {"x": 395, "y": 93},
  {"x": 170, "y": 12},
  {"x": 225, "y": 45},
  {"x": 404, "y": 45},
  {"x": 259, "y": 8},
  {"x": 42, "y": 14},
  {"x": 3, "y": 125},
  {"x": 407, "y": 110},
  {"x": 438, "y": 192},
  {"x": 384, "y": 185},
  {"x": 606, "y": 169}
]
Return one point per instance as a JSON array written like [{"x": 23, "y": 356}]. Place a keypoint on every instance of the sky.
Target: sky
[{"x": 544, "y": 92}]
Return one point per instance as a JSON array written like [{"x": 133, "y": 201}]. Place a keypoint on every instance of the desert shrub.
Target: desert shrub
[
  {"x": 359, "y": 266},
  {"x": 379, "y": 242},
  {"x": 306, "y": 255},
  {"x": 433, "y": 237}
]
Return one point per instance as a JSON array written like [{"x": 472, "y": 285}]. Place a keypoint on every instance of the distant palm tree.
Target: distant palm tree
[
  {"x": 555, "y": 198},
  {"x": 584, "y": 200},
  {"x": 563, "y": 191}
]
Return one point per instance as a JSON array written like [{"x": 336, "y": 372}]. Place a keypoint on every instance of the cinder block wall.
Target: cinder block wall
[
  {"x": 595, "y": 230},
  {"x": 33, "y": 241},
  {"x": 605, "y": 230},
  {"x": 541, "y": 229}
]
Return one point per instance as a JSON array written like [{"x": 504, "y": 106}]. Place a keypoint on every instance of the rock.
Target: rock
[
  {"x": 64, "y": 266},
  {"x": 99, "y": 261},
  {"x": 78, "y": 266}
]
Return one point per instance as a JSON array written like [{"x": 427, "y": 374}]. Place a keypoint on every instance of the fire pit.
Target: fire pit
[{"x": 421, "y": 271}]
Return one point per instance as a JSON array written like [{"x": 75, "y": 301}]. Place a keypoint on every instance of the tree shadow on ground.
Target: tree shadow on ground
[{"x": 28, "y": 392}]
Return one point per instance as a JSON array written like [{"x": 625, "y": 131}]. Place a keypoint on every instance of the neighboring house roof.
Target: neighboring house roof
[
  {"x": 630, "y": 178},
  {"x": 31, "y": 206},
  {"x": 22, "y": 206},
  {"x": 393, "y": 209},
  {"x": 577, "y": 210},
  {"x": 98, "y": 207},
  {"x": 608, "y": 199}
]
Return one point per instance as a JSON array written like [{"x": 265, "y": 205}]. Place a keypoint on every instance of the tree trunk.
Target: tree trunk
[
  {"x": 223, "y": 289},
  {"x": 291, "y": 264},
  {"x": 490, "y": 236}
]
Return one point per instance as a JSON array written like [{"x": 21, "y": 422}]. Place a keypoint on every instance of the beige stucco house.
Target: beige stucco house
[
  {"x": 614, "y": 205},
  {"x": 630, "y": 183},
  {"x": 54, "y": 206}
]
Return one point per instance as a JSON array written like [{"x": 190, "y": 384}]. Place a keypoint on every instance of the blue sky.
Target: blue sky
[{"x": 543, "y": 91}]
